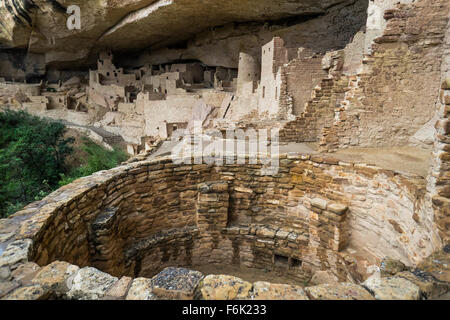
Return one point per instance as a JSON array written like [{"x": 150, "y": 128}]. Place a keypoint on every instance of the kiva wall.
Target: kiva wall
[{"x": 139, "y": 218}]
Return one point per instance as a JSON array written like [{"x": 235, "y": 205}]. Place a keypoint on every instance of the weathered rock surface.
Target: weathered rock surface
[
  {"x": 57, "y": 276},
  {"x": 25, "y": 272},
  {"x": 223, "y": 287},
  {"x": 7, "y": 286},
  {"x": 429, "y": 286},
  {"x": 35, "y": 292},
  {"x": 5, "y": 273},
  {"x": 322, "y": 277},
  {"x": 90, "y": 284},
  {"x": 390, "y": 267},
  {"x": 119, "y": 290},
  {"x": 152, "y": 21},
  {"x": 392, "y": 288},
  {"x": 437, "y": 265},
  {"x": 176, "y": 283},
  {"x": 268, "y": 291},
  {"x": 141, "y": 289},
  {"x": 340, "y": 291},
  {"x": 16, "y": 252},
  {"x": 137, "y": 24}
]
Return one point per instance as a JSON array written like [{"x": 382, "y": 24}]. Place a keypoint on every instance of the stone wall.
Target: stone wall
[
  {"x": 302, "y": 76},
  {"x": 318, "y": 112},
  {"x": 439, "y": 179},
  {"x": 400, "y": 82},
  {"x": 140, "y": 218},
  {"x": 137, "y": 219}
]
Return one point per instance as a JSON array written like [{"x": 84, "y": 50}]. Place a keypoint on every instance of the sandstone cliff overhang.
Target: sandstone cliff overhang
[{"x": 39, "y": 26}]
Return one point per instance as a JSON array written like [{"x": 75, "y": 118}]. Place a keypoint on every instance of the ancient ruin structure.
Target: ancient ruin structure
[{"x": 358, "y": 92}]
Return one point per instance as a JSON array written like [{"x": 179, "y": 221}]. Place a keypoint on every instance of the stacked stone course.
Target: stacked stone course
[
  {"x": 398, "y": 84},
  {"x": 318, "y": 113},
  {"x": 137, "y": 219}
]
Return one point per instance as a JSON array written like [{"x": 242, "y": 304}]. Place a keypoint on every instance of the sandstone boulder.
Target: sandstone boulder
[
  {"x": 268, "y": 291},
  {"x": 119, "y": 290},
  {"x": 7, "y": 286},
  {"x": 90, "y": 284},
  {"x": 5, "y": 273},
  {"x": 339, "y": 291},
  {"x": 141, "y": 289},
  {"x": 176, "y": 283},
  {"x": 57, "y": 276},
  {"x": 16, "y": 252},
  {"x": 429, "y": 286},
  {"x": 323, "y": 277},
  {"x": 223, "y": 287},
  {"x": 390, "y": 267},
  {"x": 25, "y": 272},
  {"x": 35, "y": 292},
  {"x": 392, "y": 288}
]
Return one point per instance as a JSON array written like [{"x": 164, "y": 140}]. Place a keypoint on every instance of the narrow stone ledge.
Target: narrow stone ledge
[
  {"x": 319, "y": 203},
  {"x": 337, "y": 208}
]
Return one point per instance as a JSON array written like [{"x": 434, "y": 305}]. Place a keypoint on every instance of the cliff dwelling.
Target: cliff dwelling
[{"x": 344, "y": 103}]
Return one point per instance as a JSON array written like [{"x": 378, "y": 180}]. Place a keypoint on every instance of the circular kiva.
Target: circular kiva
[{"x": 157, "y": 222}]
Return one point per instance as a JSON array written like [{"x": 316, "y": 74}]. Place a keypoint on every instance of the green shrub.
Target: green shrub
[
  {"x": 99, "y": 158},
  {"x": 32, "y": 156}
]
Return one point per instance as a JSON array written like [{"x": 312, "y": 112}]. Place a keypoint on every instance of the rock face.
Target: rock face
[{"x": 39, "y": 26}]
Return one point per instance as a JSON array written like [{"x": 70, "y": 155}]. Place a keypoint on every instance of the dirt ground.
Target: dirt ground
[{"x": 402, "y": 159}]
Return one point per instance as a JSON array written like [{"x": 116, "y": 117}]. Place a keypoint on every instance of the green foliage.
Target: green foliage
[
  {"x": 32, "y": 154},
  {"x": 99, "y": 158}
]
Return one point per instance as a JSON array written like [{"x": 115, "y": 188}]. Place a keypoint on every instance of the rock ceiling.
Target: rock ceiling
[{"x": 39, "y": 26}]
